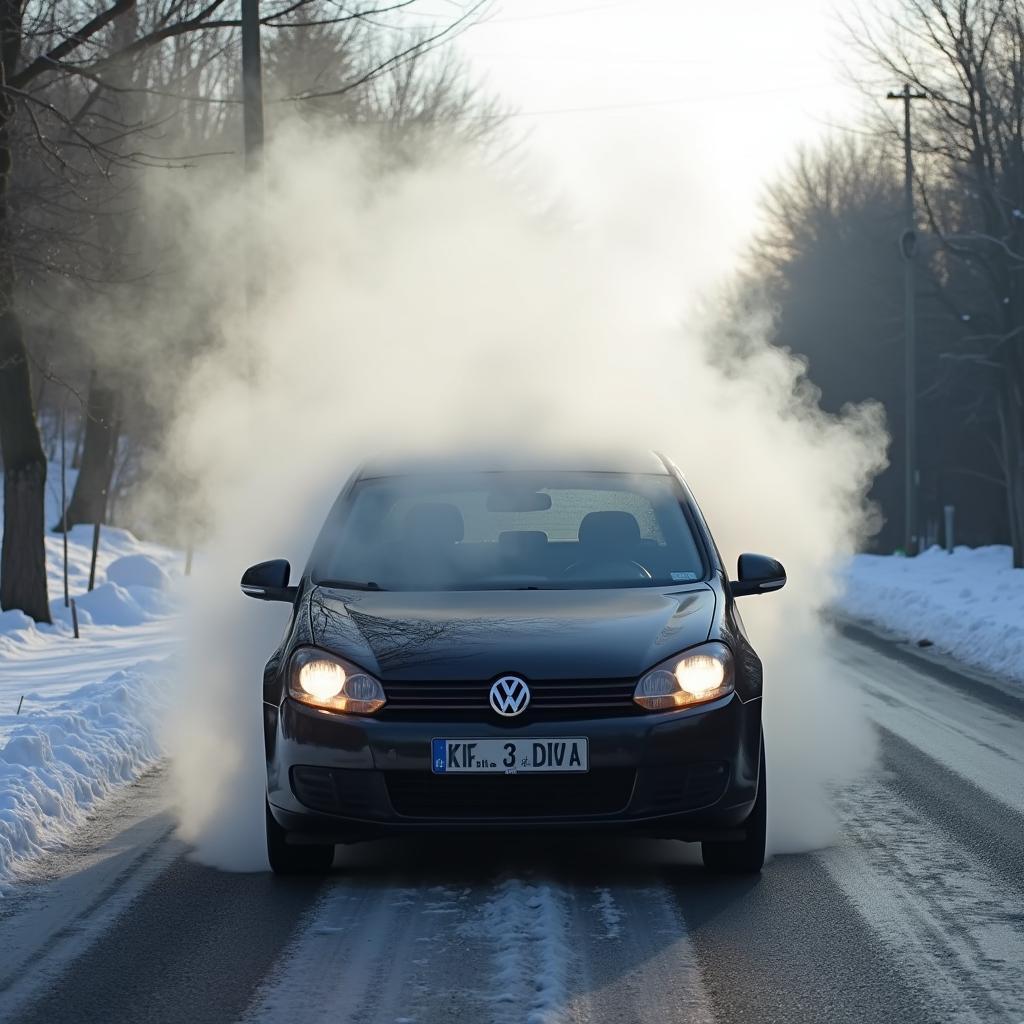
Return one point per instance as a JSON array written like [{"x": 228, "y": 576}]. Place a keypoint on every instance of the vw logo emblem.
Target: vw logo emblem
[{"x": 510, "y": 696}]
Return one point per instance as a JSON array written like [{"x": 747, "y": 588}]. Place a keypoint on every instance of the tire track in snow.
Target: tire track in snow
[
  {"x": 522, "y": 947},
  {"x": 610, "y": 913},
  {"x": 951, "y": 923},
  {"x": 567, "y": 952},
  {"x": 638, "y": 961},
  {"x": 377, "y": 951},
  {"x": 934, "y": 861},
  {"x": 527, "y": 925}
]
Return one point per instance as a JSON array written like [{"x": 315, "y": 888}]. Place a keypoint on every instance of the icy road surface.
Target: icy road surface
[{"x": 918, "y": 915}]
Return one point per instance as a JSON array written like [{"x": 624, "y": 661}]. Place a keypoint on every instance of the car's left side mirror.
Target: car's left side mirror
[
  {"x": 758, "y": 574},
  {"x": 268, "y": 581}
]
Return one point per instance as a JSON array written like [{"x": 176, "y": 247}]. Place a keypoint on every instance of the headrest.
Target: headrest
[
  {"x": 434, "y": 522},
  {"x": 521, "y": 543},
  {"x": 609, "y": 530}
]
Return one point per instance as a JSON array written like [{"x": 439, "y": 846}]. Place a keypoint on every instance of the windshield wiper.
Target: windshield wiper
[{"x": 350, "y": 585}]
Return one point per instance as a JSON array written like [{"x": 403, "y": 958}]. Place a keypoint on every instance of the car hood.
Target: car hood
[{"x": 553, "y": 634}]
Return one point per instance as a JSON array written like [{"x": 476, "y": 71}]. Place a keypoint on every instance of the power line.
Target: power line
[
  {"x": 642, "y": 104},
  {"x": 608, "y": 57},
  {"x": 843, "y": 128},
  {"x": 502, "y": 19},
  {"x": 593, "y": 9}
]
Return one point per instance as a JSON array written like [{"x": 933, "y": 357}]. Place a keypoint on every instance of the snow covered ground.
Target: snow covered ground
[
  {"x": 79, "y": 717},
  {"x": 969, "y": 604}
]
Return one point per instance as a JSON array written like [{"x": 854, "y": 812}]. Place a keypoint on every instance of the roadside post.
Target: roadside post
[
  {"x": 64, "y": 493},
  {"x": 95, "y": 550}
]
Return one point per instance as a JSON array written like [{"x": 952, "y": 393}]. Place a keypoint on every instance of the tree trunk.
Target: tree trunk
[
  {"x": 89, "y": 499},
  {"x": 1011, "y": 423},
  {"x": 23, "y": 550}
]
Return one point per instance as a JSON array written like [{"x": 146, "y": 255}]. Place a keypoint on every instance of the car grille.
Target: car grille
[
  {"x": 549, "y": 699},
  {"x": 361, "y": 794},
  {"x": 497, "y": 797}
]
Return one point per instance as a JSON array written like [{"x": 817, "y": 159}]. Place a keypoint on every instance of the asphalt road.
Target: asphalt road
[{"x": 916, "y": 915}]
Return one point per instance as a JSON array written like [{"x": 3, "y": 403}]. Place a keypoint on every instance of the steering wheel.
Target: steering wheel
[{"x": 608, "y": 569}]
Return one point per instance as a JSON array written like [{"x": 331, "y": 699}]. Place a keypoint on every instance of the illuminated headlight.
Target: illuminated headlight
[
  {"x": 325, "y": 681},
  {"x": 693, "y": 677}
]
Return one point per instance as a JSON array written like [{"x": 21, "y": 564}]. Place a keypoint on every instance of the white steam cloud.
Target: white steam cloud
[{"x": 431, "y": 306}]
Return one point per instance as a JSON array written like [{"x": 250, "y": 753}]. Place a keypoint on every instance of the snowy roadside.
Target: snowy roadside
[
  {"x": 969, "y": 604},
  {"x": 79, "y": 717}
]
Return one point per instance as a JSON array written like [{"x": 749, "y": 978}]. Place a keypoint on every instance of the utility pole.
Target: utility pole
[
  {"x": 908, "y": 249},
  {"x": 252, "y": 118},
  {"x": 252, "y": 83}
]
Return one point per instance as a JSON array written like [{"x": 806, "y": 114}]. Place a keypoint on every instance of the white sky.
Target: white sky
[{"x": 703, "y": 102}]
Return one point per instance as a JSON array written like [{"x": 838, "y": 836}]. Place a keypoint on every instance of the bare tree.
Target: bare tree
[
  {"x": 968, "y": 57},
  {"x": 65, "y": 66},
  {"x": 827, "y": 263}
]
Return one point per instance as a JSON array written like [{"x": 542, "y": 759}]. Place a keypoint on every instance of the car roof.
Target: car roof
[{"x": 647, "y": 463}]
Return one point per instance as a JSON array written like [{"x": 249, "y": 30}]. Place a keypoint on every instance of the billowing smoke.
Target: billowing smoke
[{"x": 431, "y": 306}]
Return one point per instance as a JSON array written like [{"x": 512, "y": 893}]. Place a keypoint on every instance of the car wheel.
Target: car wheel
[
  {"x": 745, "y": 856},
  {"x": 295, "y": 860}
]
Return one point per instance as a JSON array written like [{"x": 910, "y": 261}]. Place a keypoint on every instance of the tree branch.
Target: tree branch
[{"x": 46, "y": 61}]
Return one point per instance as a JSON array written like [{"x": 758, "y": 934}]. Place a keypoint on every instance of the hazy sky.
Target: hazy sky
[{"x": 659, "y": 121}]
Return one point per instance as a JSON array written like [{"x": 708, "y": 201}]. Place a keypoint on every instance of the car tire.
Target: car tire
[
  {"x": 295, "y": 860},
  {"x": 744, "y": 856}
]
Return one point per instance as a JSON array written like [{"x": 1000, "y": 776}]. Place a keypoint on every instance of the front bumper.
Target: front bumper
[{"x": 689, "y": 774}]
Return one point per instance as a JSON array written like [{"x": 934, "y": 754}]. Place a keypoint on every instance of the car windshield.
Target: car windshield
[{"x": 486, "y": 531}]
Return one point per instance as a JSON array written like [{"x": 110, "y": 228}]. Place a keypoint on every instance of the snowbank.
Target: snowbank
[
  {"x": 969, "y": 604},
  {"x": 67, "y": 754},
  {"x": 88, "y": 707},
  {"x": 135, "y": 584},
  {"x": 137, "y": 571},
  {"x": 14, "y": 621}
]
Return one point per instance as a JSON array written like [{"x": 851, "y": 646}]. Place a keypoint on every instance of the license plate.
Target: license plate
[{"x": 509, "y": 756}]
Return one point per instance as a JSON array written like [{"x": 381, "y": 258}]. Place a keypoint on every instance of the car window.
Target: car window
[
  {"x": 494, "y": 530},
  {"x": 561, "y": 522}
]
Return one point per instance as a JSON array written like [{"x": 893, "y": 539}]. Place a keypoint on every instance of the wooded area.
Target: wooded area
[
  {"x": 95, "y": 96},
  {"x": 829, "y": 261}
]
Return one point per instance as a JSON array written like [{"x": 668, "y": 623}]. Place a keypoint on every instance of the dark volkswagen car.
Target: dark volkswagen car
[{"x": 514, "y": 648}]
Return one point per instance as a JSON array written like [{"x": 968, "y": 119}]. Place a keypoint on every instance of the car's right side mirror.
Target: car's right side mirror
[
  {"x": 268, "y": 581},
  {"x": 758, "y": 574}
]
